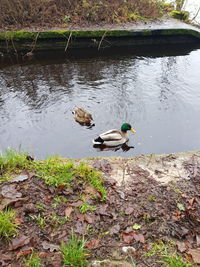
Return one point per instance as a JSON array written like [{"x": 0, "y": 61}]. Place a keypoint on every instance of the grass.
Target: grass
[
  {"x": 33, "y": 261},
  {"x": 12, "y": 162},
  {"x": 8, "y": 227},
  {"x": 86, "y": 207},
  {"x": 55, "y": 171},
  {"x": 39, "y": 219},
  {"x": 74, "y": 254},
  {"x": 167, "y": 254}
]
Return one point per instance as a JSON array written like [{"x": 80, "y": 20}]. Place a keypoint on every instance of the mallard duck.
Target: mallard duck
[
  {"x": 114, "y": 137},
  {"x": 82, "y": 116}
]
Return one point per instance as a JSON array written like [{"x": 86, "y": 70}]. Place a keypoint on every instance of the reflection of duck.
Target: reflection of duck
[
  {"x": 124, "y": 147},
  {"x": 82, "y": 116},
  {"x": 114, "y": 137}
]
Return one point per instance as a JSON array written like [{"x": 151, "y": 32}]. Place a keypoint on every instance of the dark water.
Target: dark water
[{"x": 157, "y": 91}]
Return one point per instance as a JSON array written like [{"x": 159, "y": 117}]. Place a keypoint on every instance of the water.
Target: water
[{"x": 156, "y": 91}]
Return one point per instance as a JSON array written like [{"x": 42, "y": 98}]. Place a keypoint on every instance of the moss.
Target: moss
[{"x": 182, "y": 15}]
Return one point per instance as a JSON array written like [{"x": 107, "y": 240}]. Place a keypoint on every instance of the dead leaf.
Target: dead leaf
[
  {"x": 9, "y": 201},
  {"x": 181, "y": 246},
  {"x": 10, "y": 191},
  {"x": 195, "y": 253},
  {"x": 88, "y": 219},
  {"x": 19, "y": 241},
  {"x": 198, "y": 240},
  {"x": 191, "y": 201},
  {"x": 128, "y": 237},
  {"x": 77, "y": 204},
  {"x": 49, "y": 246},
  {"x": 20, "y": 178},
  {"x": 102, "y": 209},
  {"x": 139, "y": 237},
  {"x": 114, "y": 229},
  {"x": 68, "y": 211},
  {"x": 93, "y": 243},
  {"x": 80, "y": 228},
  {"x": 129, "y": 210},
  {"x": 90, "y": 190},
  {"x": 23, "y": 252}
]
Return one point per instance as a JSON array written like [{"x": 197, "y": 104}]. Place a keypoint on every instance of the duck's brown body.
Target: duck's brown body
[{"x": 82, "y": 116}]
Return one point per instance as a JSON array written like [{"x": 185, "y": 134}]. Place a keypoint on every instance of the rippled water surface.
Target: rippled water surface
[{"x": 156, "y": 91}]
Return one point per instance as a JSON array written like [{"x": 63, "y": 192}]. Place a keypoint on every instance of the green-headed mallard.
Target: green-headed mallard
[
  {"x": 114, "y": 137},
  {"x": 82, "y": 116}
]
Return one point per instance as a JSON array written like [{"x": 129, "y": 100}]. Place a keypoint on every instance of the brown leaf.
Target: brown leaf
[
  {"x": 9, "y": 201},
  {"x": 198, "y": 240},
  {"x": 23, "y": 252},
  {"x": 102, "y": 209},
  {"x": 191, "y": 201},
  {"x": 80, "y": 228},
  {"x": 128, "y": 237},
  {"x": 181, "y": 246},
  {"x": 90, "y": 190},
  {"x": 129, "y": 210},
  {"x": 77, "y": 204},
  {"x": 19, "y": 241},
  {"x": 51, "y": 247},
  {"x": 10, "y": 191},
  {"x": 68, "y": 211},
  {"x": 195, "y": 253},
  {"x": 88, "y": 219},
  {"x": 93, "y": 243},
  {"x": 139, "y": 237},
  {"x": 114, "y": 229}
]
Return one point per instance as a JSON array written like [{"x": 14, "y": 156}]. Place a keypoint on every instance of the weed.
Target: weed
[
  {"x": 40, "y": 220},
  {"x": 175, "y": 261},
  {"x": 74, "y": 252},
  {"x": 12, "y": 162},
  {"x": 167, "y": 254},
  {"x": 151, "y": 198},
  {"x": 55, "y": 172},
  {"x": 58, "y": 200},
  {"x": 86, "y": 207},
  {"x": 33, "y": 261},
  {"x": 40, "y": 206},
  {"x": 55, "y": 220},
  {"x": 93, "y": 177},
  {"x": 8, "y": 227}
]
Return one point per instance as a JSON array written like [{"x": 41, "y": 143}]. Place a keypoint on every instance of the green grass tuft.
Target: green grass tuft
[
  {"x": 33, "y": 261},
  {"x": 55, "y": 172},
  {"x": 93, "y": 177},
  {"x": 73, "y": 252},
  {"x": 8, "y": 227}
]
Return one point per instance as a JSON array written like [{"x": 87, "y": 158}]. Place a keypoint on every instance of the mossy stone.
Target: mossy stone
[{"x": 182, "y": 15}]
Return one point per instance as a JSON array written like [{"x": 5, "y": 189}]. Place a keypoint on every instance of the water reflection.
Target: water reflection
[
  {"x": 125, "y": 147},
  {"x": 158, "y": 95}
]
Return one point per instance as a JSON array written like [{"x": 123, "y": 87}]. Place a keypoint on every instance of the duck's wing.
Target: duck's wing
[{"x": 111, "y": 135}]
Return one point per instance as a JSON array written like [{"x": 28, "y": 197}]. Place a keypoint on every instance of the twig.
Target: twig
[
  {"x": 196, "y": 14},
  {"x": 13, "y": 44},
  {"x": 70, "y": 35},
  {"x": 101, "y": 39},
  {"x": 34, "y": 42}
]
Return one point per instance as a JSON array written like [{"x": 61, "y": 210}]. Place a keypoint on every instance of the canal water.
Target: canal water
[{"x": 156, "y": 90}]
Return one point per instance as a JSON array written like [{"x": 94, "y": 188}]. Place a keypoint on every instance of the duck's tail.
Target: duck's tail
[{"x": 98, "y": 141}]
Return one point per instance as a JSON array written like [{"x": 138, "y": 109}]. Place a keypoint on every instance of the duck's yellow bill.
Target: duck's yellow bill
[{"x": 132, "y": 130}]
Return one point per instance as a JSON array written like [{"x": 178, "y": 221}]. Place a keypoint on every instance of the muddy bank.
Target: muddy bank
[
  {"x": 163, "y": 31},
  {"x": 150, "y": 214}
]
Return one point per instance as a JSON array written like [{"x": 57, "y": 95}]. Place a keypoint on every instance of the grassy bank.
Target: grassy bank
[
  {"x": 60, "y": 213},
  {"x": 43, "y": 13}
]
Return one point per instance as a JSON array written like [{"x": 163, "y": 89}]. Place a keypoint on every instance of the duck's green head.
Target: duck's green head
[{"x": 127, "y": 127}]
